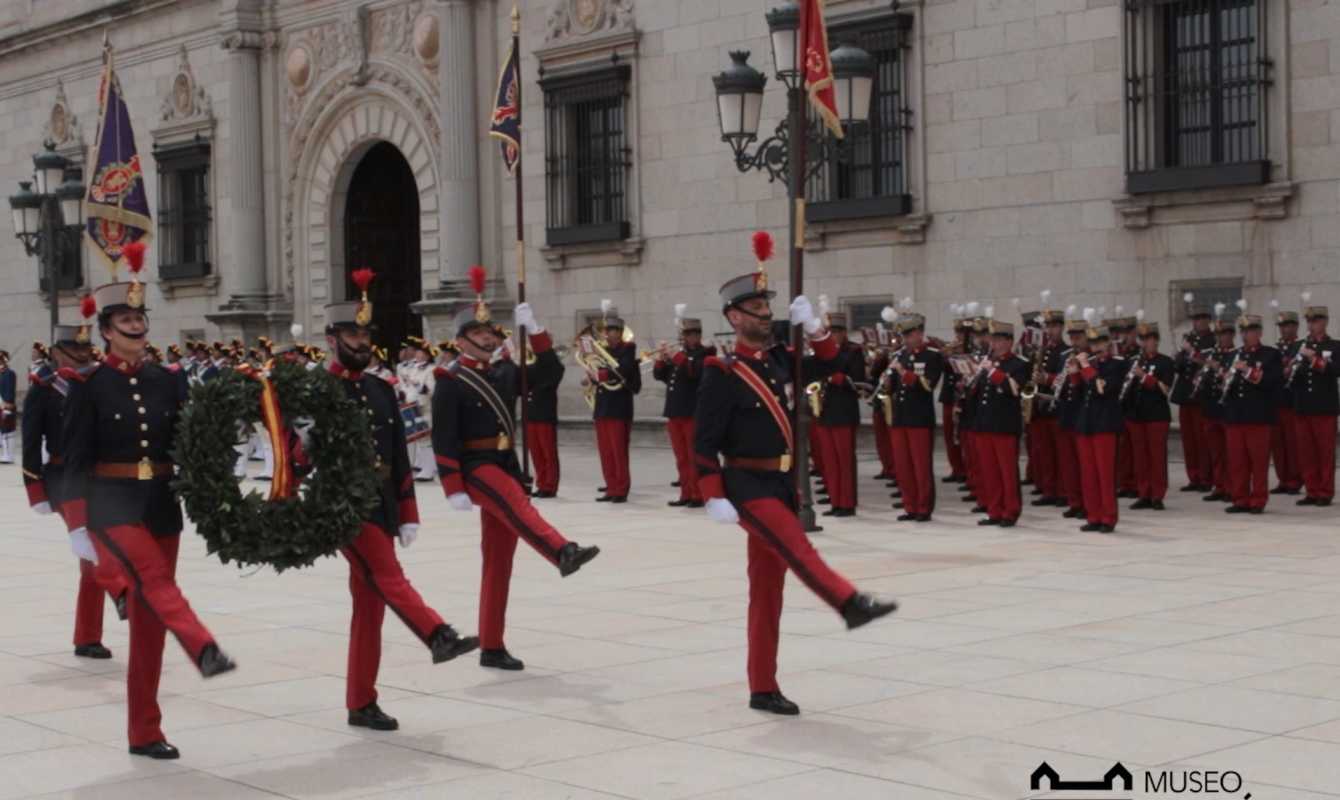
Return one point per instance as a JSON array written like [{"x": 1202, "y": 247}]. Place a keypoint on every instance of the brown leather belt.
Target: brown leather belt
[
  {"x": 491, "y": 443},
  {"x": 757, "y": 464},
  {"x": 131, "y": 470}
]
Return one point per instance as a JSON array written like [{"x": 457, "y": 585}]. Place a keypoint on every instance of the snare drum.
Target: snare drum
[{"x": 416, "y": 427}]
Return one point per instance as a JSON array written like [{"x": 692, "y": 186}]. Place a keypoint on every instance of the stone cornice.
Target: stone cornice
[{"x": 97, "y": 19}]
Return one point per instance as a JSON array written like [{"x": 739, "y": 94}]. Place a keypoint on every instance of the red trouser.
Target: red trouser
[
  {"x": 1043, "y": 452},
  {"x": 1248, "y": 464},
  {"x": 1316, "y": 453},
  {"x": 998, "y": 465},
  {"x": 1215, "y": 447},
  {"x": 883, "y": 444},
  {"x": 1149, "y": 441},
  {"x": 839, "y": 463},
  {"x": 612, "y": 438},
  {"x": 912, "y": 451},
  {"x": 1068, "y": 464},
  {"x": 1284, "y": 449},
  {"x": 1195, "y": 448},
  {"x": 156, "y": 607},
  {"x": 542, "y": 439},
  {"x": 952, "y": 450},
  {"x": 818, "y": 467},
  {"x": 93, "y": 582},
  {"x": 680, "y": 430},
  {"x": 968, "y": 446},
  {"x": 1098, "y": 466},
  {"x": 376, "y": 581},
  {"x": 1125, "y": 475},
  {"x": 506, "y": 514},
  {"x": 778, "y": 542}
]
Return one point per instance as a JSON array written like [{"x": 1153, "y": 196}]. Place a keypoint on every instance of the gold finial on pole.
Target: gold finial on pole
[{"x": 516, "y": 19}]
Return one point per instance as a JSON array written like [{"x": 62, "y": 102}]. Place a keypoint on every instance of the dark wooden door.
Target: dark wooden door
[{"x": 381, "y": 232}]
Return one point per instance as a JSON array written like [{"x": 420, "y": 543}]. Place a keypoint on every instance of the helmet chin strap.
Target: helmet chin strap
[
  {"x": 354, "y": 359},
  {"x": 132, "y": 336}
]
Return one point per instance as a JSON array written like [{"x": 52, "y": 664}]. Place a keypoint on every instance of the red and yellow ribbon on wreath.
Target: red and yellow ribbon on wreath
[{"x": 281, "y": 481}]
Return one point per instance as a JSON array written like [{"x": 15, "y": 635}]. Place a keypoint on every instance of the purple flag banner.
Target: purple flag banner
[
  {"x": 506, "y": 123},
  {"x": 117, "y": 206}
]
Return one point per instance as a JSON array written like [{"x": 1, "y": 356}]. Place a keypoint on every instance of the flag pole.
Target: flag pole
[{"x": 522, "y": 343}]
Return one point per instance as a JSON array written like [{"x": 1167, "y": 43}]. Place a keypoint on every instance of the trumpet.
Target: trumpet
[
  {"x": 1232, "y": 379},
  {"x": 592, "y": 362},
  {"x": 1130, "y": 381},
  {"x": 814, "y": 393},
  {"x": 1294, "y": 364}
]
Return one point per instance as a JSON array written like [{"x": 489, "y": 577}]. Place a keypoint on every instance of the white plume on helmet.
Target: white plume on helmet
[
  {"x": 972, "y": 307},
  {"x": 1306, "y": 295},
  {"x": 605, "y": 305},
  {"x": 680, "y": 308},
  {"x": 1188, "y": 297},
  {"x": 1089, "y": 314},
  {"x": 906, "y": 303},
  {"x": 1140, "y": 314},
  {"x": 888, "y": 314},
  {"x": 1071, "y": 310},
  {"x": 989, "y": 312},
  {"x": 1241, "y": 304},
  {"x": 296, "y": 330}
]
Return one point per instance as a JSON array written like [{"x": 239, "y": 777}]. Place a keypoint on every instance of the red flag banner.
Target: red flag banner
[{"x": 817, "y": 65}]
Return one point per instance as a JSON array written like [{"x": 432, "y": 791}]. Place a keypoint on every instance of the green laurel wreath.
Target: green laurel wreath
[{"x": 324, "y": 513}]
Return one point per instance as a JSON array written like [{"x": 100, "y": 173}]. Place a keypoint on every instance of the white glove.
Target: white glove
[
  {"x": 719, "y": 509},
  {"x": 408, "y": 533},
  {"x": 43, "y": 507},
  {"x": 82, "y": 546},
  {"x": 303, "y": 427},
  {"x": 460, "y": 501},
  {"x": 802, "y": 313},
  {"x": 525, "y": 318}
]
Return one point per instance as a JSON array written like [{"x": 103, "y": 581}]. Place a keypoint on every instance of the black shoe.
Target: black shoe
[
  {"x": 1324, "y": 501},
  {"x": 623, "y": 498},
  {"x": 979, "y": 509},
  {"x": 1307, "y": 501},
  {"x": 543, "y": 495},
  {"x": 161, "y": 751},
  {"x": 1280, "y": 490},
  {"x": 1215, "y": 497},
  {"x": 1294, "y": 491},
  {"x": 1236, "y": 509},
  {"x": 832, "y": 512},
  {"x": 213, "y": 662},
  {"x": 970, "y": 498},
  {"x": 122, "y": 604},
  {"x": 949, "y": 479},
  {"x": 988, "y": 521},
  {"x": 1127, "y": 494},
  {"x": 446, "y": 644},
  {"x": 604, "y": 498},
  {"x": 773, "y": 703},
  {"x": 1073, "y": 513},
  {"x": 1026, "y": 482},
  {"x": 899, "y": 504},
  {"x": 370, "y": 716},
  {"x": 1042, "y": 501},
  {"x": 962, "y": 478},
  {"x": 824, "y": 500},
  {"x": 1141, "y": 503},
  {"x": 1192, "y": 487},
  {"x": 1155, "y": 505},
  {"x": 677, "y": 503},
  {"x": 573, "y": 556},
  {"x": 845, "y": 512},
  {"x": 1106, "y": 528},
  {"x": 1007, "y": 523},
  {"x": 907, "y": 517},
  {"x": 695, "y": 504},
  {"x": 1091, "y": 527},
  {"x": 672, "y": 483},
  {"x": 883, "y": 477},
  {"x": 603, "y": 489},
  {"x": 862, "y": 608},
  {"x": 500, "y": 659},
  {"x": 896, "y": 494},
  {"x": 1256, "y": 510},
  {"x": 92, "y": 650},
  {"x": 923, "y": 518}
]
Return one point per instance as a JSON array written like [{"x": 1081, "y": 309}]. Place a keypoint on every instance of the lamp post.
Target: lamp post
[
  {"x": 49, "y": 219},
  {"x": 784, "y": 156}
]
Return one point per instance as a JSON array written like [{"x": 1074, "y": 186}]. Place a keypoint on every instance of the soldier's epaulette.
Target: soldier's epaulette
[
  {"x": 722, "y": 362},
  {"x": 448, "y": 371},
  {"x": 81, "y": 375}
]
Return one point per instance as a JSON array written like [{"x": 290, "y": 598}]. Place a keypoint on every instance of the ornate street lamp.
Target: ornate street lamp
[
  {"x": 739, "y": 91},
  {"x": 49, "y": 219}
]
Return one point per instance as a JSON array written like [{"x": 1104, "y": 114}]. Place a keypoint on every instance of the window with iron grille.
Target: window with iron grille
[
  {"x": 69, "y": 254},
  {"x": 1197, "y": 81},
  {"x": 586, "y": 158},
  {"x": 184, "y": 213},
  {"x": 1205, "y": 292},
  {"x": 871, "y": 179}
]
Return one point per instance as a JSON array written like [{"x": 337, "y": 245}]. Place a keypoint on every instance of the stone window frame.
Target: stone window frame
[
  {"x": 172, "y": 160},
  {"x": 1207, "y": 291}
]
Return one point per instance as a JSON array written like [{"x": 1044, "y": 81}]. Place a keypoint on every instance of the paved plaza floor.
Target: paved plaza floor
[{"x": 1189, "y": 640}]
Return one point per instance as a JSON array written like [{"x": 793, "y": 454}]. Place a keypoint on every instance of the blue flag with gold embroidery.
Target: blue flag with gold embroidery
[
  {"x": 117, "y": 206},
  {"x": 506, "y": 125}
]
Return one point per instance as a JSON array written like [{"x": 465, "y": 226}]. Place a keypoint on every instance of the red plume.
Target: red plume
[
  {"x": 362, "y": 278},
  {"x": 762, "y": 245},
  {"x": 88, "y": 306},
  {"x": 477, "y": 279},
  {"x": 134, "y": 255}
]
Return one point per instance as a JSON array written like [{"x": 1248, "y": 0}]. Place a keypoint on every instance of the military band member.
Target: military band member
[
  {"x": 376, "y": 578},
  {"x": 1312, "y": 390},
  {"x": 1044, "y": 429},
  {"x": 911, "y": 380},
  {"x": 743, "y": 419},
  {"x": 9, "y": 418},
  {"x": 836, "y": 425},
  {"x": 1148, "y": 417},
  {"x": 879, "y": 364},
  {"x": 997, "y": 423},
  {"x": 682, "y": 374},
  {"x": 949, "y": 390},
  {"x": 1284, "y": 433},
  {"x": 1252, "y": 391},
  {"x": 474, "y": 440},
  {"x": 416, "y": 386},
  {"x": 119, "y": 427},
  {"x": 1208, "y": 392},
  {"x": 543, "y": 377},
  {"x": 615, "y": 388},
  {"x": 1099, "y": 375},
  {"x": 1068, "y": 406},
  {"x": 43, "y": 422},
  {"x": 1187, "y": 364},
  {"x": 968, "y": 408}
]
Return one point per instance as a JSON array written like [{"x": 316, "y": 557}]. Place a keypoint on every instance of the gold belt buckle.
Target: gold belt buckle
[
  {"x": 785, "y": 464},
  {"x": 145, "y": 470},
  {"x": 504, "y": 442}
]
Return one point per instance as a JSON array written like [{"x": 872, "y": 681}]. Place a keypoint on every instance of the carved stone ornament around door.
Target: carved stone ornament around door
[
  {"x": 426, "y": 39},
  {"x": 185, "y": 98},
  {"x": 298, "y": 67},
  {"x": 571, "y": 18},
  {"x": 62, "y": 126}
]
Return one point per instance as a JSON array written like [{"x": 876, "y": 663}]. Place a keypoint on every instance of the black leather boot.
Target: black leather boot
[
  {"x": 862, "y": 608},
  {"x": 213, "y": 662},
  {"x": 446, "y": 644},
  {"x": 371, "y": 716},
  {"x": 573, "y": 556},
  {"x": 92, "y": 650},
  {"x": 500, "y": 659},
  {"x": 773, "y": 703},
  {"x": 161, "y": 751}
]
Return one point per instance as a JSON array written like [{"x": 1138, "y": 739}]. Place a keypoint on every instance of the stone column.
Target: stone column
[
  {"x": 458, "y": 206},
  {"x": 246, "y": 170}
]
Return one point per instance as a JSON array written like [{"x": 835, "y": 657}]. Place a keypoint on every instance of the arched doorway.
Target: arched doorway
[{"x": 381, "y": 231}]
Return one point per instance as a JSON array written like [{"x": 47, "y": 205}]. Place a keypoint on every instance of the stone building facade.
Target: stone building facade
[{"x": 1117, "y": 153}]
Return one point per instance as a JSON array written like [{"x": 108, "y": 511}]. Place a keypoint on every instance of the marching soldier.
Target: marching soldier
[
  {"x": 474, "y": 442},
  {"x": 9, "y": 384},
  {"x": 949, "y": 390},
  {"x": 43, "y": 421},
  {"x": 841, "y": 415},
  {"x": 1148, "y": 417},
  {"x": 1208, "y": 392},
  {"x": 376, "y": 579},
  {"x": 1284, "y": 446},
  {"x": 1251, "y": 391},
  {"x": 981, "y": 351},
  {"x": 997, "y": 423},
  {"x": 1190, "y": 414},
  {"x": 542, "y": 380},
  {"x": 913, "y": 374},
  {"x": 681, "y": 374},
  {"x": 1316, "y": 402},
  {"x": 1069, "y": 404},
  {"x": 1099, "y": 375},
  {"x": 119, "y": 427},
  {"x": 742, "y": 419},
  {"x": 615, "y": 387}
]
